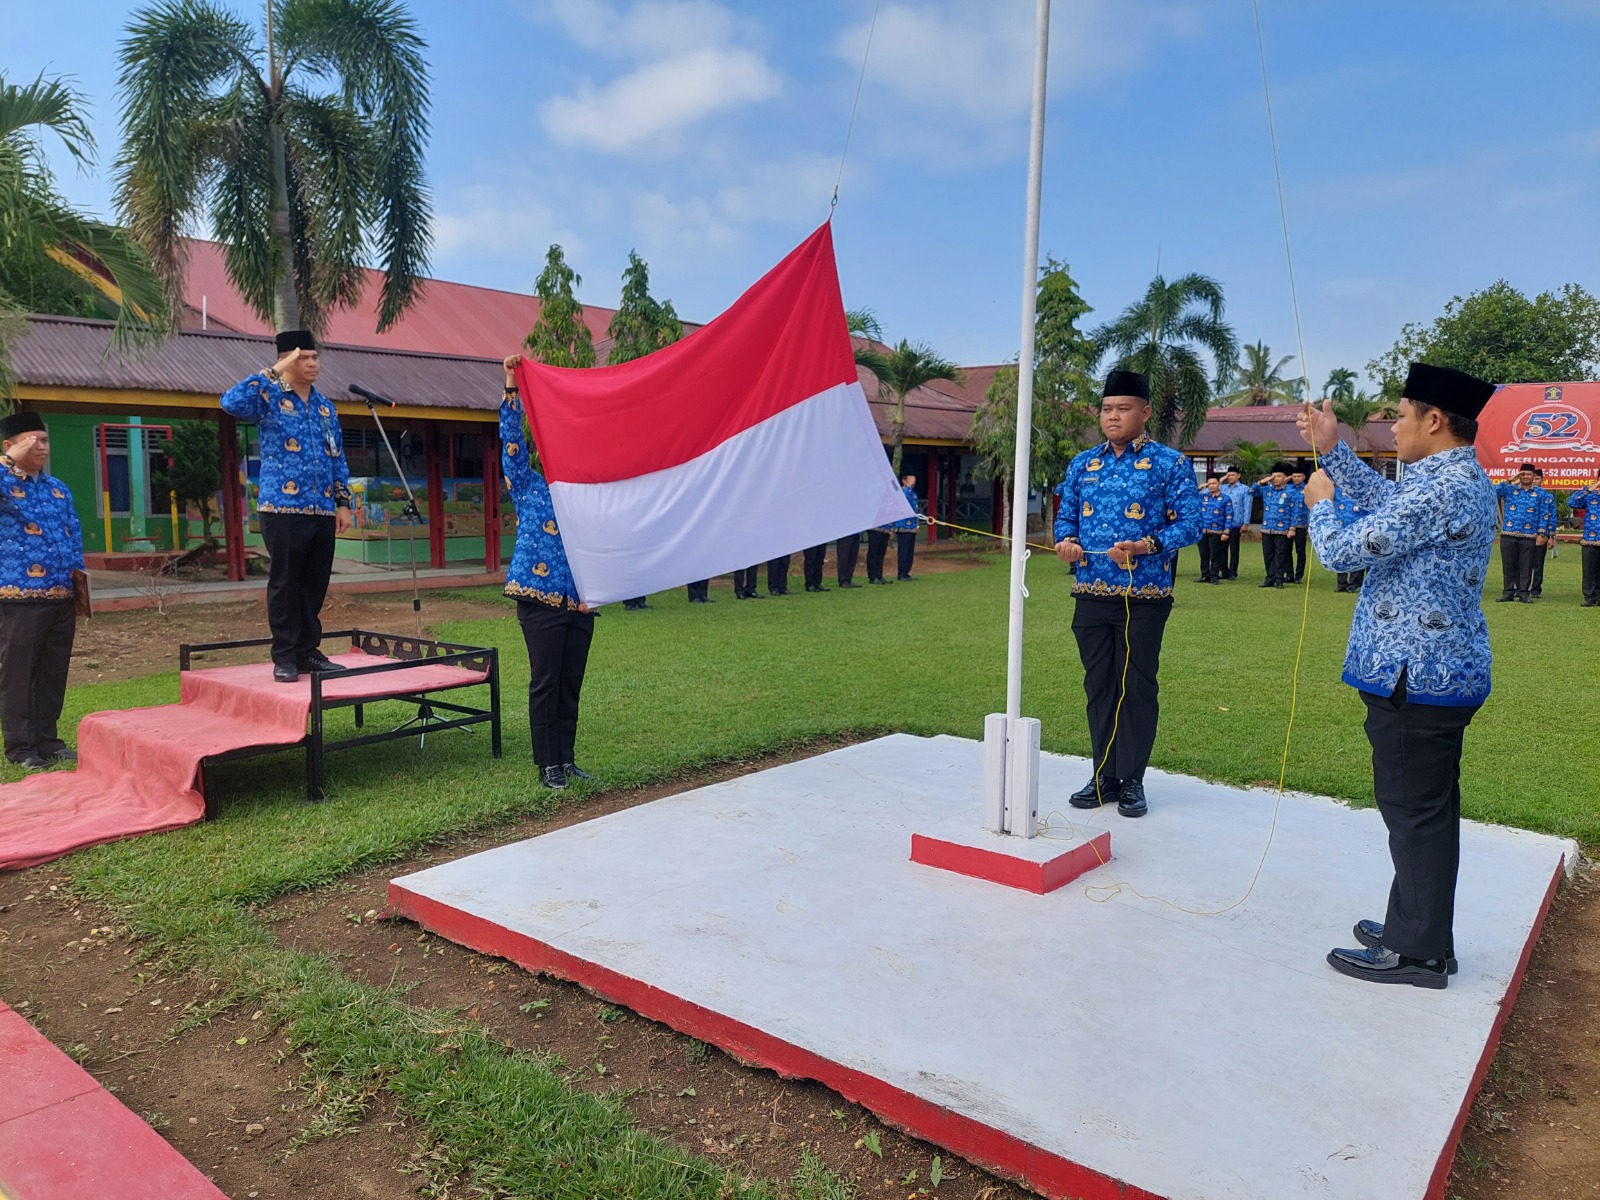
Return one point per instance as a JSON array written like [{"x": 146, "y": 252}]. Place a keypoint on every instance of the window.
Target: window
[{"x": 118, "y": 473}]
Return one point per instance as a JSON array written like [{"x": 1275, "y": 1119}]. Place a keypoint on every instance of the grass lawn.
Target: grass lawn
[{"x": 683, "y": 686}]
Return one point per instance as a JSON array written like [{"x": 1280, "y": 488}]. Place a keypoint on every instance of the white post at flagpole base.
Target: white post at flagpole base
[
  {"x": 1000, "y": 776},
  {"x": 994, "y": 772}
]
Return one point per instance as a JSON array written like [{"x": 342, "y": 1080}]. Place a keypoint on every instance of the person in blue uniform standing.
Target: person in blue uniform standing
[
  {"x": 557, "y": 626},
  {"x": 41, "y": 547},
  {"x": 1586, "y": 501},
  {"x": 1242, "y": 499},
  {"x": 1127, "y": 507},
  {"x": 1547, "y": 530},
  {"x": 304, "y": 497},
  {"x": 1521, "y": 523},
  {"x": 1297, "y": 531},
  {"x": 1216, "y": 520},
  {"x": 1418, "y": 653},
  {"x": 905, "y": 532},
  {"x": 1277, "y": 524},
  {"x": 1350, "y": 511}
]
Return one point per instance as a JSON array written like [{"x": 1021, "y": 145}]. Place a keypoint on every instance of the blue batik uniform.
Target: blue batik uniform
[
  {"x": 539, "y": 571},
  {"x": 1240, "y": 495},
  {"x": 909, "y": 524},
  {"x": 1425, "y": 544},
  {"x": 1585, "y": 502},
  {"x": 1216, "y": 513},
  {"x": 1547, "y": 512},
  {"x": 1523, "y": 509},
  {"x": 1146, "y": 491},
  {"x": 41, "y": 542},
  {"x": 1347, "y": 506},
  {"x": 1297, "y": 512},
  {"x": 1277, "y": 507},
  {"x": 303, "y": 468}
]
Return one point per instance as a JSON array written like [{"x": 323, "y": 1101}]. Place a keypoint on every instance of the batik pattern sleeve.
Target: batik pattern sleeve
[
  {"x": 1365, "y": 487},
  {"x": 515, "y": 460},
  {"x": 341, "y": 465},
  {"x": 1067, "y": 510},
  {"x": 248, "y": 397},
  {"x": 1183, "y": 507}
]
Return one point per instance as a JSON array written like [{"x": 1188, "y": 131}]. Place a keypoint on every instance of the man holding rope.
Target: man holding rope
[
  {"x": 1419, "y": 649},
  {"x": 1127, "y": 507}
]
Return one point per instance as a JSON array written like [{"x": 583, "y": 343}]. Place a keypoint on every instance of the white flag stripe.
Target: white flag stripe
[{"x": 814, "y": 472}]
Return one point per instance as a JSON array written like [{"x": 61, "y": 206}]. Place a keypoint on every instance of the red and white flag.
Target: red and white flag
[{"x": 749, "y": 439}]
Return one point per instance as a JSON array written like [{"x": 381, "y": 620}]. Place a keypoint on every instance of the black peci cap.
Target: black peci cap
[
  {"x": 1126, "y": 383},
  {"x": 1281, "y": 468},
  {"x": 19, "y": 423},
  {"x": 1452, "y": 390},
  {"x": 295, "y": 339}
]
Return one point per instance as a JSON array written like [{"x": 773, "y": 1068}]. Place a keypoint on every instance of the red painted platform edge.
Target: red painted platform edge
[
  {"x": 995, "y": 867},
  {"x": 1447, "y": 1157},
  {"x": 1049, "y": 1174}
]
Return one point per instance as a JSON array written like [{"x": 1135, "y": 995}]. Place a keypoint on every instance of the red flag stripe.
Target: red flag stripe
[{"x": 781, "y": 342}]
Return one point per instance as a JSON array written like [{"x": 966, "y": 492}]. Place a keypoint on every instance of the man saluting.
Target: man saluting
[
  {"x": 1419, "y": 649},
  {"x": 1127, "y": 507}
]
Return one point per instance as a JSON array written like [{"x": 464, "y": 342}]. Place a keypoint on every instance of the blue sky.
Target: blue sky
[{"x": 1429, "y": 147}]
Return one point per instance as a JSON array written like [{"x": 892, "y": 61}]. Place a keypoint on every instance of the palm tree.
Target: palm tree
[
  {"x": 899, "y": 373},
  {"x": 306, "y": 152},
  {"x": 1165, "y": 336},
  {"x": 34, "y": 218},
  {"x": 863, "y": 323},
  {"x": 1253, "y": 459},
  {"x": 1341, "y": 384},
  {"x": 1260, "y": 380}
]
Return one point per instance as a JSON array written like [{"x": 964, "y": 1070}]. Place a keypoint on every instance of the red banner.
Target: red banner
[{"x": 1554, "y": 426}]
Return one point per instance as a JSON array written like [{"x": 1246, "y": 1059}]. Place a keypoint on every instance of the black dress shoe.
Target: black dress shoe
[
  {"x": 1537, "y": 595},
  {"x": 31, "y": 762},
  {"x": 810, "y": 587},
  {"x": 1278, "y": 585},
  {"x": 1370, "y": 934},
  {"x": 905, "y": 578},
  {"x": 1524, "y": 599},
  {"x": 285, "y": 673},
  {"x": 319, "y": 663},
  {"x": 845, "y": 583},
  {"x": 778, "y": 591},
  {"x": 877, "y": 581},
  {"x": 1131, "y": 803},
  {"x": 574, "y": 771},
  {"x": 65, "y": 755},
  {"x": 1096, "y": 792},
  {"x": 1504, "y": 599},
  {"x": 1379, "y": 964},
  {"x": 554, "y": 778},
  {"x": 1267, "y": 583},
  {"x": 1590, "y": 604}
]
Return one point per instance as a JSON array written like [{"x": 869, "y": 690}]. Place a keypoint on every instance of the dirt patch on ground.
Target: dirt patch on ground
[{"x": 125, "y": 645}]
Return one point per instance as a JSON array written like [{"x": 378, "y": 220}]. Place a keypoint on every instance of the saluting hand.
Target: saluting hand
[{"x": 286, "y": 361}]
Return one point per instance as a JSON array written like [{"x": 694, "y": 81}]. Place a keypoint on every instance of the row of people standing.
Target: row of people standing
[{"x": 1527, "y": 529}]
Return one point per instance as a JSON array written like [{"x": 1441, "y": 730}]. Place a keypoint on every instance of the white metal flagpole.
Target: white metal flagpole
[{"x": 1011, "y": 789}]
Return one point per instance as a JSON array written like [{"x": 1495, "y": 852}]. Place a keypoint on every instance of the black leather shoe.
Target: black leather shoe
[
  {"x": 285, "y": 673},
  {"x": 574, "y": 771},
  {"x": 1278, "y": 585},
  {"x": 905, "y": 578},
  {"x": 554, "y": 778},
  {"x": 65, "y": 755},
  {"x": 1504, "y": 599},
  {"x": 1131, "y": 803},
  {"x": 31, "y": 763},
  {"x": 319, "y": 663},
  {"x": 1096, "y": 793},
  {"x": 845, "y": 583},
  {"x": 875, "y": 581},
  {"x": 1370, "y": 934},
  {"x": 1379, "y": 964},
  {"x": 1524, "y": 599},
  {"x": 777, "y": 591},
  {"x": 810, "y": 587},
  {"x": 1537, "y": 595},
  {"x": 1267, "y": 583},
  {"x": 1590, "y": 604}
]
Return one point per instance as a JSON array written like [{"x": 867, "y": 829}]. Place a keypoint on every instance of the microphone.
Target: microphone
[{"x": 369, "y": 396}]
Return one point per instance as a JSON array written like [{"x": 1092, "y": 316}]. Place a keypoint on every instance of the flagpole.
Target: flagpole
[{"x": 1021, "y": 757}]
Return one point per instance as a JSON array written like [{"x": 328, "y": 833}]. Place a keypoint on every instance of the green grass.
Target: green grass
[{"x": 678, "y": 687}]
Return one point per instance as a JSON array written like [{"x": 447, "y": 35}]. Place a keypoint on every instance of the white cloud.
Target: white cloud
[{"x": 649, "y": 29}]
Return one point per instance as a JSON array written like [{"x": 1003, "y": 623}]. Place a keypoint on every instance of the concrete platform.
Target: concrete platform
[{"x": 1121, "y": 1048}]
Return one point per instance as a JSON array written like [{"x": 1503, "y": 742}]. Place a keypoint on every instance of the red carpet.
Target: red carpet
[{"x": 138, "y": 769}]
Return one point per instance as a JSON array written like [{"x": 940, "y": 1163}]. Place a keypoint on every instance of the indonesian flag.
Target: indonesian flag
[{"x": 748, "y": 439}]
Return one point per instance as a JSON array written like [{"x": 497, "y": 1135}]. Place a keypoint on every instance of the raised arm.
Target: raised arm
[{"x": 516, "y": 460}]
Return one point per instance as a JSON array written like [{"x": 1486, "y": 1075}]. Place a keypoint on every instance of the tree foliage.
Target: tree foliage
[
  {"x": 1253, "y": 459},
  {"x": 40, "y": 234},
  {"x": 642, "y": 325},
  {"x": 1168, "y": 336},
  {"x": 899, "y": 373},
  {"x": 195, "y": 469},
  {"x": 863, "y": 323},
  {"x": 1257, "y": 380},
  {"x": 1340, "y": 384},
  {"x": 1498, "y": 334},
  {"x": 559, "y": 338},
  {"x": 1064, "y": 401},
  {"x": 304, "y": 149}
]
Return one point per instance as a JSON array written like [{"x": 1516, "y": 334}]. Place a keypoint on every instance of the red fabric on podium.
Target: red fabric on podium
[{"x": 138, "y": 769}]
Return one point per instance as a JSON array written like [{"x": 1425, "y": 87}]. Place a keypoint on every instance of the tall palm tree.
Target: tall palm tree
[
  {"x": 1166, "y": 336},
  {"x": 305, "y": 149},
  {"x": 863, "y": 323},
  {"x": 1260, "y": 381},
  {"x": 899, "y": 373},
  {"x": 1341, "y": 384},
  {"x": 34, "y": 217}
]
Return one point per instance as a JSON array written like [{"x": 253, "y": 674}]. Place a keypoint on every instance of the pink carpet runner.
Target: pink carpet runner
[{"x": 139, "y": 769}]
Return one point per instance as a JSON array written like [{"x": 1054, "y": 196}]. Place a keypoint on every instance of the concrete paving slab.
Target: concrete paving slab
[{"x": 1097, "y": 1041}]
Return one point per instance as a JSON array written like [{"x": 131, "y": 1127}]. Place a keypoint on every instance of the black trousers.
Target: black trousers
[
  {"x": 636, "y": 602},
  {"x": 699, "y": 590},
  {"x": 1591, "y": 571},
  {"x": 558, "y": 653},
  {"x": 778, "y": 575},
  {"x": 1416, "y": 776},
  {"x": 906, "y": 550},
  {"x": 744, "y": 582},
  {"x": 1350, "y": 580},
  {"x": 1099, "y": 625},
  {"x": 35, "y": 652},
  {"x": 1516, "y": 565},
  {"x": 1275, "y": 552},
  {"x": 1212, "y": 556},
  {"x": 846, "y": 551},
  {"x": 301, "y": 548},
  {"x": 1300, "y": 552},
  {"x": 814, "y": 556},
  {"x": 877, "y": 548},
  {"x": 1538, "y": 568},
  {"x": 1235, "y": 540}
]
